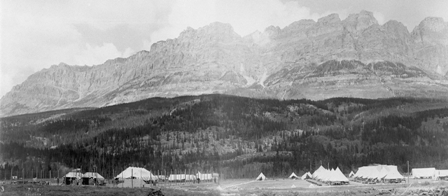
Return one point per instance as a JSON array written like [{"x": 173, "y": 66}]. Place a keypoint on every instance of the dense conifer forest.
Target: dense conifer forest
[{"x": 236, "y": 136}]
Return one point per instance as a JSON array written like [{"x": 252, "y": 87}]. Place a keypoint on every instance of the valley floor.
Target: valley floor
[{"x": 237, "y": 187}]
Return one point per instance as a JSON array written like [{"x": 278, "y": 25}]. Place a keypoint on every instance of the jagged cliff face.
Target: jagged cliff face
[{"x": 354, "y": 57}]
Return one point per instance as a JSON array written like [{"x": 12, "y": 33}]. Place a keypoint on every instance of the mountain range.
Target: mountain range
[{"x": 330, "y": 57}]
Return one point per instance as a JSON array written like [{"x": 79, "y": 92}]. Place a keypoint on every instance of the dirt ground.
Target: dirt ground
[{"x": 233, "y": 187}]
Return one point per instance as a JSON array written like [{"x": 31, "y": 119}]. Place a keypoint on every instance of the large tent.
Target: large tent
[
  {"x": 136, "y": 173},
  {"x": 337, "y": 176},
  {"x": 293, "y": 176},
  {"x": 261, "y": 177},
  {"x": 441, "y": 174},
  {"x": 331, "y": 176},
  {"x": 378, "y": 172},
  {"x": 307, "y": 175},
  {"x": 319, "y": 171},
  {"x": 424, "y": 172}
]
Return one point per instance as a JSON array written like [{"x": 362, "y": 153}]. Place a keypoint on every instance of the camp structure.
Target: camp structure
[
  {"x": 293, "y": 176},
  {"x": 424, "y": 172},
  {"x": 393, "y": 175},
  {"x": 207, "y": 176},
  {"x": 72, "y": 177},
  {"x": 351, "y": 174},
  {"x": 261, "y": 177},
  {"x": 330, "y": 176},
  {"x": 319, "y": 171},
  {"x": 337, "y": 177},
  {"x": 376, "y": 173},
  {"x": 442, "y": 174},
  {"x": 91, "y": 178},
  {"x": 136, "y": 173},
  {"x": 307, "y": 175},
  {"x": 181, "y": 177},
  {"x": 160, "y": 177}
]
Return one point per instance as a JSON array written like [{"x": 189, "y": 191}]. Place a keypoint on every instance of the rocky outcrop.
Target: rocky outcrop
[{"x": 307, "y": 59}]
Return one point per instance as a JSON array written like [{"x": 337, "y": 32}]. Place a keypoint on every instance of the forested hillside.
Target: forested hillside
[{"x": 236, "y": 136}]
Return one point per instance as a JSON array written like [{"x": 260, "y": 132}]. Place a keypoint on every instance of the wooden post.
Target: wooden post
[{"x": 408, "y": 172}]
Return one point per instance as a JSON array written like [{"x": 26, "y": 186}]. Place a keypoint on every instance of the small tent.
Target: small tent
[
  {"x": 351, "y": 174},
  {"x": 92, "y": 175},
  {"x": 72, "y": 177},
  {"x": 307, "y": 175},
  {"x": 261, "y": 177},
  {"x": 293, "y": 176},
  {"x": 90, "y": 178}
]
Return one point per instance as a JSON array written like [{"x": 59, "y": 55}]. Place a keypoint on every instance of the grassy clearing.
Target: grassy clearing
[{"x": 37, "y": 190}]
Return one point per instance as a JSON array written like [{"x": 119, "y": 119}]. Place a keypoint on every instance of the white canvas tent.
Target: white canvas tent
[
  {"x": 424, "y": 172},
  {"x": 136, "y": 173},
  {"x": 441, "y": 173},
  {"x": 202, "y": 176},
  {"x": 182, "y": 177},
  {"x": 392, "y": 173},
  {"x": 293, "y": 176},
  {"x": 318, "y": 172},
  {"x": 261, "y": 177},
  {"x": 72, "y": 174},
  {"x": 307, "y": 175},
  {"x": 72, "y": 177},
  {"x": 388, "y": 172},
  {"x": 92, "y": 175},
  {"x": 337, "y": 176},
  {"x": 351, "y": 174}
]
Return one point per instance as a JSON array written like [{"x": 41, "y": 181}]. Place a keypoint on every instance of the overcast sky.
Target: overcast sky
[{"x": 39, "y": 33}]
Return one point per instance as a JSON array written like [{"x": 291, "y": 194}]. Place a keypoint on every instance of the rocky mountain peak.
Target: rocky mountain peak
[
  {"x": 361, "y": 21},
  {"x": 432, "y": 30},
  {"x": 332, "y": 18},
  {"x": 435, "y": 24},
  {"x": 276, "y": 63},
  {"x": 272, "y": 31},
  {"x": 396, "y": 29}
]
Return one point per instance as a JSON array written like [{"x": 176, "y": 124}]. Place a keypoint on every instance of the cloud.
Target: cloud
[
  {"x": 41, "y": 33},
  {"x": 97, "y": 54}
]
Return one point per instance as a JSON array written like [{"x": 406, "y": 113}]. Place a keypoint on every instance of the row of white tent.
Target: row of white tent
[
  {"x": 429, "y": 173},
  {"x": 329, "y": 175},
  {"x": 144, "y": 174},
  {"x": 380, "y": 172},
  {"x": 307, "y": 175},
  {"x": 322, "y": 174},
  {"x": 79, "y": 175}
]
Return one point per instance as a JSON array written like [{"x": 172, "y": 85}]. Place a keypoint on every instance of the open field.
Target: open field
[{"x": 234, "y": 187}]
